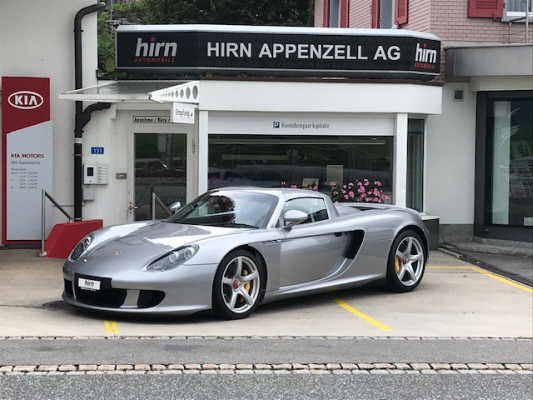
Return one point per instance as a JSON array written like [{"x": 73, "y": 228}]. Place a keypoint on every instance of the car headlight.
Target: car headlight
[
  {"x": 81, "y": 247},
  {"x": 173, "y": 259}
]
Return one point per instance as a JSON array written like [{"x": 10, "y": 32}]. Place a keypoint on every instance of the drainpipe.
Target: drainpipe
[{"x": 81, "y": 117}]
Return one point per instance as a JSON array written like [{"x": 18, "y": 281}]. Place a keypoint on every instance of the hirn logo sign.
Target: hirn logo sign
[
  {"x": 25, "y": 100},
  {"x": 424, "y": 55},
  {"x": 155, "y": 49}
]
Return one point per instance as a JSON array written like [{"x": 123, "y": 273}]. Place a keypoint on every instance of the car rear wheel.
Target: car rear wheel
[
  {"x": 406, "y": 262},
  {"x": 239, "y": 285}
]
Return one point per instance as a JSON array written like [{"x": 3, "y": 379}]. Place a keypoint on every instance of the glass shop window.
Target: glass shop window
[
  {"x": 310, "y": 162},
  {"x": 512, "y": 162}
]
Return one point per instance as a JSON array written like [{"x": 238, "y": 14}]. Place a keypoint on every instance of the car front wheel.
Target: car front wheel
[
  {"x": 239, "y": 284},
  {"x": 406, "y": 262}
]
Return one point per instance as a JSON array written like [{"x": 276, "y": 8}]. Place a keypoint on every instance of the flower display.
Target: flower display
[{"x": 365, "y": 191}]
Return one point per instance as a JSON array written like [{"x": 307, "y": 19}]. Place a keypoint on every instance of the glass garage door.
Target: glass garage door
[{"x": 160, "y": 168}]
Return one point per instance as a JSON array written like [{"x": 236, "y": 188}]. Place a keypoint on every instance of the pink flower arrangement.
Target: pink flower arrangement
[{"x": 364, "y": 191}]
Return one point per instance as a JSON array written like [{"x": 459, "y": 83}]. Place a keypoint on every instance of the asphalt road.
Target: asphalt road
[
  {"x": 205, "y": 387},
  {"x": 262, "y": 350}
]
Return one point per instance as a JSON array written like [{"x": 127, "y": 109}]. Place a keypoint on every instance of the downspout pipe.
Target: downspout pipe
[{"x": 81, "y": 117}]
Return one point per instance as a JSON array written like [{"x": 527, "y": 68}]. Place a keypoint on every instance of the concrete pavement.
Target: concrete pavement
[
  {"x": 455, "y": 299},
  {"x": 511, "y": 259}
]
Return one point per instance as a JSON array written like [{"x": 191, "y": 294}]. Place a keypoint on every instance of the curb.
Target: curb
[
  {"x": 374, "y": 338},
  {"x": 452, "y": 251},
  {"x": 265, "y": 369}
]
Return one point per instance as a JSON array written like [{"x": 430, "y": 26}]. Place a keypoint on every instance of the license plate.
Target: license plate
[{"x": 88, "y": 284}]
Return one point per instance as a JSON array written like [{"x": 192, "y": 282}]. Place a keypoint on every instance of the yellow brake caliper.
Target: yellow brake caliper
[
  {"x": 397, "y": 264},
  {"x": 246, "y": 285}
]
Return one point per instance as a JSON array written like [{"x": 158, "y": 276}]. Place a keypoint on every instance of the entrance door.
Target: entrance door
[{"x": 160, "y": 168}]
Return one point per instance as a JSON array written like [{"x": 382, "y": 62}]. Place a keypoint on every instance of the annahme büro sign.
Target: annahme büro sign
[{"x": 279, "y": 51}]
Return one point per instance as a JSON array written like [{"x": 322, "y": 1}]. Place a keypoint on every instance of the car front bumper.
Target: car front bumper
[{"x": 182, "y": 291}]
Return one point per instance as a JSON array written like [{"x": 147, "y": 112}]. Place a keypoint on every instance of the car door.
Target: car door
[{"x": 311, "y": 249}]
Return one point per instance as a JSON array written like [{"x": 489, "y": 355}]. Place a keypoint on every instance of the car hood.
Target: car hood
[{"x": 145, "y": 243}]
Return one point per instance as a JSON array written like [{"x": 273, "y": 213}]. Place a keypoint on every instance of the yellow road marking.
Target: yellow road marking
[
  {"x": 502, "y": 279},
  {"x": 486, "y": 273},
  {"x": 364, "y": 317},
  {"x": 110, "y": 327}
]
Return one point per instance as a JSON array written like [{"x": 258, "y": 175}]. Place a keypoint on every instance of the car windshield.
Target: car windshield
[{"x": 236, "y": 209}]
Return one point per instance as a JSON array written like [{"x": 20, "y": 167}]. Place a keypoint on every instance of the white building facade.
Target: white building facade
[{"x": 304, "y": 125}]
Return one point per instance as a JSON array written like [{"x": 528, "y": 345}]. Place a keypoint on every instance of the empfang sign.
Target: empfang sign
[
  {"x": 25, "y": 100},
  {"x": 183, "y": 113}
]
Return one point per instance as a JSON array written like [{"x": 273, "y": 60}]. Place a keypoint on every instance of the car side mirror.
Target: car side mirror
[
  {"x": 174, "y": 207},
  {"x": 294, "y": 217}
]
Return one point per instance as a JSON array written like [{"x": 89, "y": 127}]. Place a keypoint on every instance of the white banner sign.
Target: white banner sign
[
  {"x": 28, "y": 156},
  {"x": 182, "y": 113}
]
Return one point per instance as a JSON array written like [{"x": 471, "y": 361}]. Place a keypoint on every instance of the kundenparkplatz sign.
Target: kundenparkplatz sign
[{"x": 276, "y": 51}]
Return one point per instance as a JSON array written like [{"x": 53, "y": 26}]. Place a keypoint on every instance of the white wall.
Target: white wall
[
  {"x": 322, "y": 96},
  {"x": 37, "y": 39},
  {"x": 451, "y": 158},
  {"x": 114, "y": 130}
]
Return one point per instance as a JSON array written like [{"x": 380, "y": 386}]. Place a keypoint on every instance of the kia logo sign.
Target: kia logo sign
[{"x": 25, "y": 100}]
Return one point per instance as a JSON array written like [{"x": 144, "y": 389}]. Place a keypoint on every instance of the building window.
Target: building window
[
  {"x": 299, "y": 161},
  {"x": 334, "y": 8},
  {"x": 384, "y": 13},
  {"x": 511, "y": 177},
  {"x": 337, "y": 13},
  {"x": 515, "y": 10}
]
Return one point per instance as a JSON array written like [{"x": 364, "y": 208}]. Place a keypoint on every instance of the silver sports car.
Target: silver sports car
[{"x": 232, "y": 249}]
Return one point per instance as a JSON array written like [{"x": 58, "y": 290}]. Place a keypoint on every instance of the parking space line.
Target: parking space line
[
  {"x": 364, "y": 317},
  {"x": 502, "y": 279},
  {"x": 110, "y": 327},
  {"x": 481, "y": 271}
]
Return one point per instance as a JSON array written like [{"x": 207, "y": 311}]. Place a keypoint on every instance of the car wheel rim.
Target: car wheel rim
[
  {"x": 240, "y": 284},
  {"x": 409, "y": 261}
]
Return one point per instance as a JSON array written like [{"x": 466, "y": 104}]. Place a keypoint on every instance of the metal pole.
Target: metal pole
[
  {"x": 43, "y": 222},
  {"x": 153, "y": 205}
]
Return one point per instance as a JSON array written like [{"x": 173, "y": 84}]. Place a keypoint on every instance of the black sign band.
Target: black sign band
[{"x": 279, "y": 54}]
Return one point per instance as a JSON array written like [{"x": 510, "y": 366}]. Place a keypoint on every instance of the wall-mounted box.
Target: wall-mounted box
[{"x": 95, "y": 174}]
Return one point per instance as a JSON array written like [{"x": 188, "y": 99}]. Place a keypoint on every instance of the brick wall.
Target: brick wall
[
  {"x": 360, "y": 14},
  {"x": 450, "y": 22},
  {"x": 319, "y": 13},
  {"x": 447, "y": 19},
  {"x": 419, "y": 16}
]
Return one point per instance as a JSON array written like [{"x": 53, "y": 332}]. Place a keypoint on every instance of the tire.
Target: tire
[
  {"x": 239, "y": 285},
  {"x": 406, "y": 263}
]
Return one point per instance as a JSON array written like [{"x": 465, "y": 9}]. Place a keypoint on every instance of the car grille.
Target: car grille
[
  {"x": 150, "y": 298},
  {"x": 68, "y": 288},
  {"x": 112, "y": 298}
]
